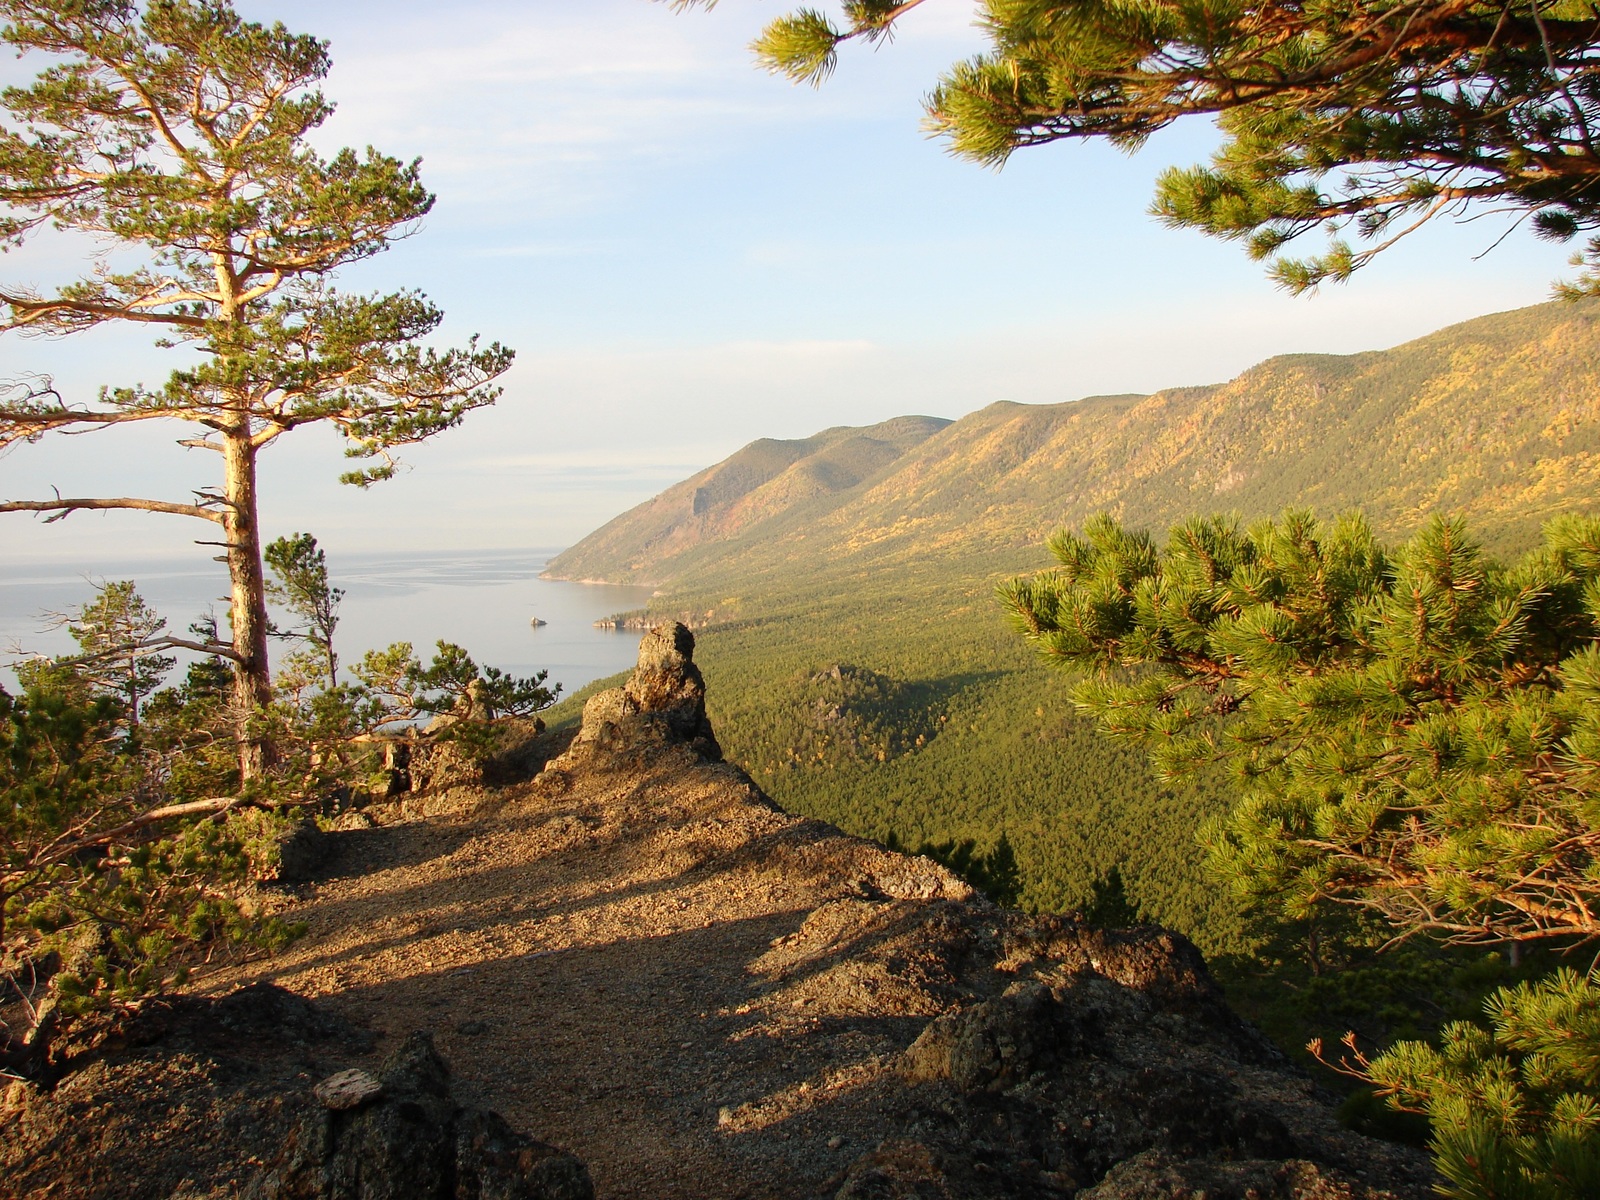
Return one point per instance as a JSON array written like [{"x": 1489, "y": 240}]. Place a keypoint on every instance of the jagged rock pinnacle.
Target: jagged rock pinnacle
[{"x": 664, "y": 701}]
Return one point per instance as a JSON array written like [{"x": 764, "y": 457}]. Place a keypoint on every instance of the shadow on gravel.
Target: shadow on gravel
[
  {"x": 548, "y": 882},
  {"x": 642, "y": 1033},
  {"x": 357, "y": 852},
  {"x": 503, "y": 899}
]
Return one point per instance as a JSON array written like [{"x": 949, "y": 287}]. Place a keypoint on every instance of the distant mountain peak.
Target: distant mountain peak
[{"x": 766, "y": 478}]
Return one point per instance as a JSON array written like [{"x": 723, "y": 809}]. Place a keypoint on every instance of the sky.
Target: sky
[{"x": 688, "y": 253}]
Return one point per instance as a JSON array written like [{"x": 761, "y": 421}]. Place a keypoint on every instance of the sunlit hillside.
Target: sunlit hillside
[
  {"x": 862, "y": 671},
  {"x": 1497, "y": 419},
  {"x": 766, "y": 479}
]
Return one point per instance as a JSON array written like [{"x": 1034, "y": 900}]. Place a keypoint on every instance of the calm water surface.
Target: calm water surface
[{"x": 482, "y": 600}]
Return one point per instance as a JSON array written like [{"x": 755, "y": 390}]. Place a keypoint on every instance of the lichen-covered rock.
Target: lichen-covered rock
[
  {"x": 439, "y": 762},
  {"x": 494, "y": 1162},
  {"x": 1155, "y": 1175},
  {"x": 1049, "y": 1057},
  {"x": 898, "y": 1170},
  {"x": 901, "y": 877},
  {"x": 667, "y": 684},
  {"x": 400, "y": 1146},
  {"x": 179, "y": 1097},
  {"x": 997, "y": 1043},
  {"x": 606, "y": 717},
  {"x": 301, "y": 850},
  {"x": 194, "y": 1097},
  {"x": 460, "y": 750}
]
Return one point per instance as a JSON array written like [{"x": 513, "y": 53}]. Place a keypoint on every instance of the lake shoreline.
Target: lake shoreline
[{"x": 482, "y": 600}]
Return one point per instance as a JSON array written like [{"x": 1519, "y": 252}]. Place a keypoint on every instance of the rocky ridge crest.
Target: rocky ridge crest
[{"x": 638, "y": 956}]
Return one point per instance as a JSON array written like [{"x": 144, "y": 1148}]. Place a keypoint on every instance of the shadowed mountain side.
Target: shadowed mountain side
[
  {"x": 1496, "y": 418},
  {"x": 766, "y": 478}
]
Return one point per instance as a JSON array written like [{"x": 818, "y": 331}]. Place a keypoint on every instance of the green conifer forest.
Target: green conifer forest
[{"x": 863, "y": 670}]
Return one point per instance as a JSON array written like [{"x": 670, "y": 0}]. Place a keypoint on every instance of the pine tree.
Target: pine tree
[
  {"x": 83, "y": 865},
  {"x": 59, "y": 770},
  {"x": 1372, "y": 117},
  {"x": 178, "y": 136},
  {"x": 1413, "y": 732},
  {"x": 299, "y": 582},
  {"x": 115, "y": 632}
]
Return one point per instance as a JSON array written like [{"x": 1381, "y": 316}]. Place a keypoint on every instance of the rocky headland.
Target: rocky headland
[{"x": 637, "y": 957}]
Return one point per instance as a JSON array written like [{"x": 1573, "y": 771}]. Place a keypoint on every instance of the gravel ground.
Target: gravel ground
[{"x": 651, "y": 967}]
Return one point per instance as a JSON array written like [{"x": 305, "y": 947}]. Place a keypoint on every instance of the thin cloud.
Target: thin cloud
[{"x": 563, "y": 249}]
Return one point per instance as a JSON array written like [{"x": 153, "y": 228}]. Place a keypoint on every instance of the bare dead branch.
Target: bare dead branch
[
  {"x": 62, "y": 508},
  {"x": 167, "y": 812}
]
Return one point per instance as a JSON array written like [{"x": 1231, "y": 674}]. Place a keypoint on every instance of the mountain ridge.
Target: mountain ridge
[
  {"x": 768, "y": 475},
  {"x": 1497, "y": 418}
]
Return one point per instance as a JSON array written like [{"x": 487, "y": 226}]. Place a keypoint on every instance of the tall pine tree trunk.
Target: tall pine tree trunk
[{"x": 252, "y": 680}]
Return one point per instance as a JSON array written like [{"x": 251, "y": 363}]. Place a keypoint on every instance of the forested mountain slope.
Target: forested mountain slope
[
  {"x": 1496, "y": 418},
  {"x": 863, "y": 672}
]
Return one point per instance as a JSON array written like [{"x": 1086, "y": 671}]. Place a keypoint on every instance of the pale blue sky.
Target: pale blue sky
[{"x": 688, "y": 254}]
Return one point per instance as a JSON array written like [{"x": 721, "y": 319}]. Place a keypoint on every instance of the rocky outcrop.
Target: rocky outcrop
[
  {"x": 401, "y": 1136},
  {"x": 644, "y": 959},
  {"x": 625, "y": 622},
  {"x": 1067, "y": 1079},
  {"x": 1155, "y": 1175},
  {"x": 298, "y": 852},
  {"x": 190, "y": 1097},
  {"x": 1013, "y": 1056},
  {"x": 511, "y": 750},
  {"x": 662, "y": 704}
]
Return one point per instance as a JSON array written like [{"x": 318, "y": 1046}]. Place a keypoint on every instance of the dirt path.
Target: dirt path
[{"x": 627, "y": 970}]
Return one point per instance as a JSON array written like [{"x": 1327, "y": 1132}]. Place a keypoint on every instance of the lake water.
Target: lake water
[{"x": 481, "y": 600}]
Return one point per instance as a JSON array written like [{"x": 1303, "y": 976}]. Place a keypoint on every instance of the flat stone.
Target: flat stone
[{"x": 346, "y": 1090}]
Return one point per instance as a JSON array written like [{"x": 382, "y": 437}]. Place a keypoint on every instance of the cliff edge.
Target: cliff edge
[{"x": 638, "y": 957}]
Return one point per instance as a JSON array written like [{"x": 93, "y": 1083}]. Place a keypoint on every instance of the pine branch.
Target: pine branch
[{"x": 63, "y": 508}]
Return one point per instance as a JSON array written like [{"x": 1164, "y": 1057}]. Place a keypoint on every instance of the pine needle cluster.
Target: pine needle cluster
[
  {"x": 1365, "y": 118},
  {"x": 1412, "y": 731},
  {"x": 1515, "y": 1108}
]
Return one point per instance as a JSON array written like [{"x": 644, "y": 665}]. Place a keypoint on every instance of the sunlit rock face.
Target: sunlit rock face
[{"x": 663, "y": 703}]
